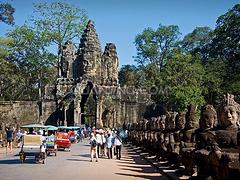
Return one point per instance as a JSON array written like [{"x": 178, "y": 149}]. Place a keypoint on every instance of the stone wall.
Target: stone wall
[{"x": 16, "y": 113}]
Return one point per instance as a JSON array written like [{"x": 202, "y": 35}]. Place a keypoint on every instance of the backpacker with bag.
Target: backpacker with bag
[{"x": 94, "y": 143}]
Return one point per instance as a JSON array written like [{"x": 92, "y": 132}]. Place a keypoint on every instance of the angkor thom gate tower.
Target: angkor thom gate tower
[{"x": 88, "y": 90}]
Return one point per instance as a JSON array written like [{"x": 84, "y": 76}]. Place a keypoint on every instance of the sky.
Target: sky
[{"x": 119, "y": 21}]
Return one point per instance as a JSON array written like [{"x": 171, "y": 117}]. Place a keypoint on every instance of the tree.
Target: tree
[
  {"x": 155, "y": 47},
  {"x": 226, "y": 35},
  {"x": 6, "y": 13},
  {"x": 225, "y": 45},
  {"x": 31, "y": 60},
  {"x": 59, "y": 21},
  {"x": 30, "y": 54},
  {"x": 183, "y": 77},
  {"x": 213, "y": 81},
  {"x": 129, "y": 75},
  {"x": 6, "y": 68},
  {"x": 196, "y": 41}
]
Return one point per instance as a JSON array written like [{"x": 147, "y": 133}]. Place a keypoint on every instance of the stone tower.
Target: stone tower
[
  {"x": 68, "y": 55},
  {"x": 88, "y": 90},
  {"x": 110, "y": 65},
  {"x": 88, "y": 62}
]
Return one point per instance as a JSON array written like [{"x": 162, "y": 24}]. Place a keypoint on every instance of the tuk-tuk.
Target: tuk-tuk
[
  {"x": 73, "y": 133},
  {"x": 51, "y": 140},
  {"x": 63, "y": 138},
  {"x": 33, "y": 145}
]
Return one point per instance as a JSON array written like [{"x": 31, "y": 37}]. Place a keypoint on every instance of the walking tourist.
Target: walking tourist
[
  {"x": 102, "y": 142},
  {"x": 118, "y": 145},
  {"x": 98, "y": 138},
  {"x": 19, "y": 138},
  {"x": 9, "y": 133},
  {"x": 109, "y": 144},
  {"x": 93, "y": 147}
]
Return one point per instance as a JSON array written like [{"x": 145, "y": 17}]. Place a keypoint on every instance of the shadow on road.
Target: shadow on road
[
  {"x": 17, "y": 161},
  {"x": 133, "y": 165},
  {"x": 78, "y": 160},
  {"x": 82, "y": 155},
  {"x": 141, "y": 176},
  {"x": 86, "y": 145}
]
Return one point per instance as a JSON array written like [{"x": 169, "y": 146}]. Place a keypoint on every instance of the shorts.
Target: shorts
[{"x": 9, "y": 140}]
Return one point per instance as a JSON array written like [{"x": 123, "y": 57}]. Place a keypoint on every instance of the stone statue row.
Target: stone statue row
[{"x": 207, "y": 146}]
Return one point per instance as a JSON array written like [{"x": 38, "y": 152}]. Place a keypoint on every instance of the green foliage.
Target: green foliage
[
  {"x": 183, "y": 77},
  {"x": 225, "y": 45},
  {"x": 196, "y": 41},
  {"x": 129, "y": 75},
  {"x": 215, "y": 72},
  {"x": 155, "y": 47},
  {"x": 6, "y": 13},
  {"x": 7, "y": 69},
  {"x": 59, "y": 21},
  {"x": 226, "y": 35},
  {"x": 28, "y": 63}
]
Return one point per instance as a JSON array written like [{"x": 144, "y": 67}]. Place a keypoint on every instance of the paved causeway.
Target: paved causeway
[{"x": 76, "y": 164}]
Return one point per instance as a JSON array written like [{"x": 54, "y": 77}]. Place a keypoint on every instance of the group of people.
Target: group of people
[
  {"x": 105, "y": 143},
  {"x": 10, "y": 138},
  {"x": 13, "y": 135}
]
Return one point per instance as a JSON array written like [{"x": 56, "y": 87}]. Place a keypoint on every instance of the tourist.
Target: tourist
[
  {"x": 93, "y": 147},
  {"x": 118, "y": 145},
  {"x": 109, "y": 144},
  {"x": 102, "y": 142},
  {"x": 99, "y": 142},
  {"x": 19, "y": 138},
  {"x": 9, "y": 133},
  {"x": 31, "y": 131}
]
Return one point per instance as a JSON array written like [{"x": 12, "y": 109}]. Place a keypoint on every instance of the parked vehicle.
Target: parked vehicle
[
  {"x": 51, "y": 140},
  {"x": 33, "y": 145},
  {"x": 62, "y": 140},
  {"x": 73, "y": 133}
]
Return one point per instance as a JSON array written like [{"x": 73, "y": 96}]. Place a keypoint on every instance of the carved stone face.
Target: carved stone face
[
  {"x": 208, "y": 117},
  {"x": 230, "y": 116},
  {"x": 208, "y": 120}
]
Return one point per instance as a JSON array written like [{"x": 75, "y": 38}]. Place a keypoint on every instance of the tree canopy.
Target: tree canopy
[
  {"x": 28, "y": 62},
  {"x": 200, "y": 68},
  {"x": 6, "y": 13},
  {"x": 59, "y": 21}
]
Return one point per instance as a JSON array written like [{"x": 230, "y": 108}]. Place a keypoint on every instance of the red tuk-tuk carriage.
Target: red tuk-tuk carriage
[{"x": 62, "y": 140}]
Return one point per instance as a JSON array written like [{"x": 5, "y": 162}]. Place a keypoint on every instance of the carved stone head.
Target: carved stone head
[
  {"x": 180, "y": 120},
  {"x": 230, "y": 116},
  {"x": 162, "y": 122},
  {"x": 192, "y": 121},
  {"x": 229, "y": 113},
  {"x": 208, "y": 117}
]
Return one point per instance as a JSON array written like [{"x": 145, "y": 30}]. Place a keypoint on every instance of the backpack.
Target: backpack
[{"x": 94, "y": 143}]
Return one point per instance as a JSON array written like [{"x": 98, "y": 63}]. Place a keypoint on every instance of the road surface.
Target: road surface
[{"x": 76, "y": 164}]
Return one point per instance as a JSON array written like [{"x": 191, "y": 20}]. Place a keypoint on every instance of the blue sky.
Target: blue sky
[{"x": 119, "y": 21}]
